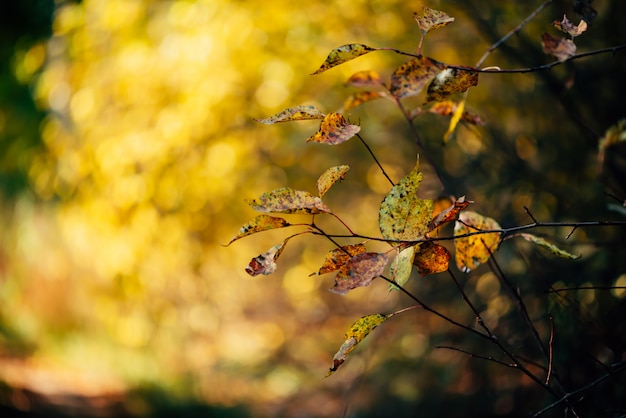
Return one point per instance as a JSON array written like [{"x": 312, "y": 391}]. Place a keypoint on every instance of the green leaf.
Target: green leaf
[
  {"x": 354, "y": 335},
  {"x": 343, "y": 54},
  {"x": 359, "y": 271},
  {"x": 266, "y": 263},
  {"x": 294, "y": 113},
  {"x": 551, "y": 247},
  {"x": 334, "y": 130},
  {"x": 287, "y": 200},
  {"x": 340, "y": 256},
  {"x": 259, "y": 224},
  {"x": 432, "y": 19},
  {"x": 410, "y": 78},
  {"x": 450, "y": 81},
  {"x": 330, "y": 177},
  {"x": 403, "y": 216},
  {"x": 402, "y": 266}
]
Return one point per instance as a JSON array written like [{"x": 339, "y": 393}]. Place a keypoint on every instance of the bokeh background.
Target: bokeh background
[{"x": 127, "y": 146}]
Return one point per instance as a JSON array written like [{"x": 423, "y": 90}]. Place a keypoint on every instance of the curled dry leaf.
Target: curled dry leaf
[
  {"x": 432, "y": 258},
  {"x": 450, "y": 213},
  {"x": 471, "y": 251},
  {"x": 294, "y": 113},
  {"x": 450, "y": 81},
  {"x": 368, "y": 78},
  {"x": 402, "y": 215},
  {"x": 331, "y": 176},
  {"x": 340, "y": 256},
  {"x": 359, "y": 271},
  {"x": 432, "y": 19},
  {"x": 266, "y": 263},
  {"x": 343, "y": 54},
  {"x": 354, "y": 335},
  {"x": 560, "y": 48},
  {"x": 259, "y": 224},
  {"x": 334, "y": 130},
  {"x": 410, "y": 78},
  {"x": 287, "y": 200},
  {"x": 568, "y": 27}
]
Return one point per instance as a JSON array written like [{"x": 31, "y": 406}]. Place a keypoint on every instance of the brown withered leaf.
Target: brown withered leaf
[
  {"x": 266, "y": 263},
  {"x": 368, "y": 78},
  {"x": 359, "y": 271},
  {"x": 343, "y": 54},
  {"x": 339, "y": 256},
  {"x": 357, "y": 99},
  {"x": 450, "y": 213},
  {"x": 450, "y": 81},
  {"x": 432, "y": 19},
  {"x": 560, "y": 48},
  {"x": 410, "y": 78},
  {"x": 568, "y": 27}
]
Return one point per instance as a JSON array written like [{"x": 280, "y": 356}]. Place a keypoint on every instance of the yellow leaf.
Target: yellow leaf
[
  {"x": 432, "y": 19},
  {"x": 342, "y": 54},
  {"x": 456, "y": 117},
  {"x": 355, "y": 334},
  {"x": 403, "y": 216},
  {"x": 357, "y": 99},
  {"x": 450, "y": 81},
  {"x": 365, "y": 79},
  {"x": 330, "y": 177},
  {"x": 432, "y": 258},
  {"x": 294, "y": 113},
  {"x": 286, "y": 200},
  {"x": 471, "y": 251},
  {"x": 259, "y": 224},
  {"x": 334, "y": 130}
]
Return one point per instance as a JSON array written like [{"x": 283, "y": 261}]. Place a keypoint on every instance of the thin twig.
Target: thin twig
[
  {"x": 375, "y": 159},
  {"x": 550, "y": 349},
  {"x": 512, "y": 32},
  {"x": 511, "y": 365}
]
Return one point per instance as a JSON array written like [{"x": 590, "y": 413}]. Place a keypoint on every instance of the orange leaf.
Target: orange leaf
[
  {"x": 431, "y": 258},
  {"x": 339, "y": 256},
  {"x": 365, "y": 79},
  {"x": 359, "y": 271},
  {"x": 450, "y": 213},
  {"x": 448, "y": 108},
  {"x": 410, "y": 78},
  {"x": 294, "y": 113},
  {"x": 286, "y": 200},
  {"x": 334, "y": 130},
  {"x": 357, "y": 99},
  {"x": 561, "y": 48},
  {"x": 471, "y": 251},
  {"x": 450, "y": 81}
]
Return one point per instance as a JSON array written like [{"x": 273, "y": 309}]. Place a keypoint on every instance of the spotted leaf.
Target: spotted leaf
[
  {"x": 475, "y": 249},
  {"x": 259, "y": 224},
  {"x": 359, "y": 271},
  {"x": 334, "y": 130},
  {"x": 330, "y": 177},
  {"x": 343, "y": 54},
  {"x": 410, "y": 78},
  {"x": 432, "y": 258},
  {"x": 340, "y": 256},
  {"x": 287, "y": 200},
  {"x": 432, "y": 19},
  {"x": 294, "y": 113}
]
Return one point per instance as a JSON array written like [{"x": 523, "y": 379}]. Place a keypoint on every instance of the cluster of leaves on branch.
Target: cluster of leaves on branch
[{"x": 407, "y": 223}]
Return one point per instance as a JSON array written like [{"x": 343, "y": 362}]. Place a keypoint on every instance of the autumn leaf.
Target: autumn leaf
[
  {"x": 287, "y": 200},
  {"x": 365, "y": 79},
  {"x": 471, "y": 251},
  {"x": 431, "y": 258},
  {"x": 357, "y": 99},
  {"x": 568, "y": 27},
  {"x": 432, "y": 19},
  {"x": 343, "y": 54},
  {"x": 549, "y": 246},
  {"x": 259, "y": 224},
  {"x": 403, "y": 216},
  {"x": 450, "y": 81},
  {"x": 294, "y": 113},
  {"x": 359, "y": 271},
  {"x": 450, "y": 213},
  {"x": 402, "y": 266},
  {"x": 613, "y": 135},
  {"x": 340, "y": 256},
  {"x": 354, "y": 335},
  {"x": 561, "y": 48},
  {"x": 454, "y": 121},
  {"x": 411, "y": 77},
  {"x": 266, "y": 263},
  {"x": 334, "y": 130},
  {"x": 448, "y": 108},
  {"x": 330, "y": 177}
]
